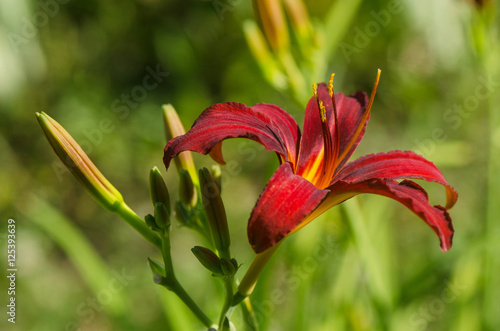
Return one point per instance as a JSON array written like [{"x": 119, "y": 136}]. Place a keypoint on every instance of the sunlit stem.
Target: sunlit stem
[
  {"x": 362, "y": 122},
  {"x": 174, "y": 286},
  {"x": 251, "y": 277},
  {"x": 129, "y": 216}
]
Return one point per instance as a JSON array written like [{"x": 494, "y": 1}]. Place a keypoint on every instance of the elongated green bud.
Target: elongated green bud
[
  {"x": 79, "y": 164},
  {"x": 158, "y": 189},
  {"x": 265, "y": 58},
  {"x": 215, "y": 211},
  {"x": 208, "y": 259},
  {"x": 162, "y": 216}
]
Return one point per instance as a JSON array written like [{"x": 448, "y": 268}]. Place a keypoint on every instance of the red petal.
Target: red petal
[
  {"x": 285, "y": 202},
  {"x": 350, "y": 112},
  {"x": 357, "y": 133},
  {"x": 395, "y": 165},
  {"x": 269, "y": 125},
  {"x": 409, "y": 194}
]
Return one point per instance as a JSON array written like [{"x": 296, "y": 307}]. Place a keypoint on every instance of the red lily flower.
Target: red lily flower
[{"x": 314, "y": 174}]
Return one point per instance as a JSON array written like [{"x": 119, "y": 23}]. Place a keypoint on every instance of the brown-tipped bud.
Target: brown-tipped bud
[
  {"x": 174, "y": 128},
  {"x": 158, "y": 189},
  {"x": 208, "y": 258},
  {"x": 214, "y": 209},
  {"x": 187, "y": 190},
  {"x": 79, "y": 164},
  {"x": 272, "y": 18}
]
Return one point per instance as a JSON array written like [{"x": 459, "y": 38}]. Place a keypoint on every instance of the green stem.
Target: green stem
[
  {"x": 248, "y": 282},
  {"x": 174, "y": 286},
  {"x": 171, "y": 283},
  {"x": 228, "y": 299},
  {"x": 249, "y": 318},
  {"x": 129, "y": 216},
  {"x": 189, "y": 302}
]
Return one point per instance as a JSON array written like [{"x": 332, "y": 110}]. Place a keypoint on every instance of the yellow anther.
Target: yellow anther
[
  {"x": 315, "y": 91},
  {"x": 322, "y": 111},
  {"x": 330, "y": 85}
]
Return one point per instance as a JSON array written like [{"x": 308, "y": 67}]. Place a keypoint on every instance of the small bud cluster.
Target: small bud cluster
[{"x": 220, "y": 267}]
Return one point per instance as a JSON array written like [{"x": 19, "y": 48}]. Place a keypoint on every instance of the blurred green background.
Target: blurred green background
[{"x": 368, "y": 265}]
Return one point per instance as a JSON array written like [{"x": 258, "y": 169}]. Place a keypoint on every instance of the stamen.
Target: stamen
[
  {"x": 362, "y": 122},
  {"x": 331, "y": 92},
  {"x": 330, "y": 86},
  {"x": 322, "y": 112},
  {"x": 329, "y": 154},
  {"x": 315, "y": 92}
]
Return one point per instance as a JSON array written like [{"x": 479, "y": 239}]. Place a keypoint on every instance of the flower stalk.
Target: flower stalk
[
  {"x": 165, "y": 276},
  {"x": 247, "y": 284}
]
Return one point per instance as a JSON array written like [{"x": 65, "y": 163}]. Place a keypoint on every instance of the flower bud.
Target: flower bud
[
  {"x": 299, "y": 18},
  {"x": 174, "y": 128},
  {"x": 272, "y": 19},
  {"x": 150, "y": 221},
  {"x": 162, "y": 216},
  {"x": 79, "y": 164},
  {"x": 158, "y": 189},
  {"x": 187, "y": 190},
  {"x": 208, "y": 258},
  {"x": 269, "y": 66},
  {"x": 228, "y": 267},
  {"x": 215, "y": 211}
]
